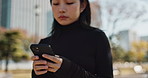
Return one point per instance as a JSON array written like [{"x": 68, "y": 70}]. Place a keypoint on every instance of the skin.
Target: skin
[
  {"x": 71, "y": 11},
  {"x": 44, "y": 65}
]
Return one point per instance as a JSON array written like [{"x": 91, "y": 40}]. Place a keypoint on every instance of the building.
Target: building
[
  {"x": 95, "y": 14},
  {"x": 144, "y": 38},
  {"x": 49, "y": 20},
  {"x": 34, "y": 16},
  {"x": 126, "y": 37},
  {"x": 0, "y": 11},
  {"x": 5, "y": 11},
  {"x": 23, "y": 14},
  {"x": 31, "y": 15}
]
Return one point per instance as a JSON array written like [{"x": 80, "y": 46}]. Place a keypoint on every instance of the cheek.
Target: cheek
[
  {"x": 74, "y": 11},
  {"x": 55, "y": 11}
]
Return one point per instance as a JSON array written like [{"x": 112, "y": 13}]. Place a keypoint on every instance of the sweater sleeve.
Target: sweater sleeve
[
  {"x": 72, "y": 70},
  {"x": 103, "y": 62},
  {"x": 103, "y": 57}
]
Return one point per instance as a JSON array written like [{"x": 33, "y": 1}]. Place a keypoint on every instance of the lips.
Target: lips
[{"x": 63, "y": 17}]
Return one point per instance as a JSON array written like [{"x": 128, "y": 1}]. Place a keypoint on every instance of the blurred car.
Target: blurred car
[
  {"x": 116, "y": 71},
  {"x": 139, "y": 69}
]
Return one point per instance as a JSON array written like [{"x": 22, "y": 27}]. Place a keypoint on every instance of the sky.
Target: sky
[{"x": 142, "y": 29}]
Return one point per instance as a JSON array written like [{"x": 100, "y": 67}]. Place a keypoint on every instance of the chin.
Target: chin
[{"x": 65, "y": 23}]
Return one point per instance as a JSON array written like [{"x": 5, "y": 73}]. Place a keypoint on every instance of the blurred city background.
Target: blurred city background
[{"x": 125, "y": 22}]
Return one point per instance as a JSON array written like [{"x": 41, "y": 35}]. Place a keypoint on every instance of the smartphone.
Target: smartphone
[{"x": 40, "y": 49}]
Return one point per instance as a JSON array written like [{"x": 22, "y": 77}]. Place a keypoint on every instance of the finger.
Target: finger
[
  {"x": 57, "y": 56},
  {"x": 39, "y": 62},
  {"x": 40, "y": 72},
  {"x": 52, "y": 58},
  {"x": 53, "y": 65},
  {"x": 37, "y": 68},
  {"x": 52, "y": 69},
  {"x": 34, "y": 58}
]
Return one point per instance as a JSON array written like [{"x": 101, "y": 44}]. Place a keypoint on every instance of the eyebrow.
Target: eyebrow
[
  {"x": 55, "y": 0},
  {"x": 70, "y": 0}
]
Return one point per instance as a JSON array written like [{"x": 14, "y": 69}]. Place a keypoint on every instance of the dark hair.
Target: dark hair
[{"x": 84, "y": 19}]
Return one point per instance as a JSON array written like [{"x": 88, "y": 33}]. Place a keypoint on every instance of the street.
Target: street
[
  {"x": 5, "y": 75},
  {"x": 132, "y": 76}
]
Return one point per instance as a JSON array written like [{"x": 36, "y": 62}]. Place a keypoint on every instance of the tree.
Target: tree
[
  {"x": 129, "y": 56},
  {"x": 2, "y": 30},
  {"x": 11, "y": 46},
  {"x": 140, "y": 49},
  {"x": 146, "y": 57},
  {"x": 126, "y": 14},
  {"x": 118, "y": 53}
]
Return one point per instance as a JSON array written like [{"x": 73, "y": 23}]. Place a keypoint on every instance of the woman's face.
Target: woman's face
[{"x": 66, "y": 11}]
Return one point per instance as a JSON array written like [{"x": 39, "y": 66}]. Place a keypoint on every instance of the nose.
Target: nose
[{"x": 62, "y": 9}]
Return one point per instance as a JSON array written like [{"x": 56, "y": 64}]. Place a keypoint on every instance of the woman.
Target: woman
[{"x": 82, "y": 51}]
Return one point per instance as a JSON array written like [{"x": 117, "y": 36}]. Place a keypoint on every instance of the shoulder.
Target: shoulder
[
  {"x": 96, "y": 31},
  {"x": 44, "y": 40},
  {"x": 100, "y": 38},
  {"x": 98, "y": 34}
]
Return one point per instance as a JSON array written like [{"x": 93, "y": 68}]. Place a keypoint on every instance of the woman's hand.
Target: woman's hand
[
  {"x": 39, "y": 66},
  {"x": 42, "y": 66},
  {"x": 53, "y": 67}
]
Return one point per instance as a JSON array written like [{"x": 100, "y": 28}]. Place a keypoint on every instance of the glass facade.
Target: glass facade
[
  {"x": 0, "y": 11},
  {"x": 23, "y": 16},
  {"x": 5, "y": 13}
]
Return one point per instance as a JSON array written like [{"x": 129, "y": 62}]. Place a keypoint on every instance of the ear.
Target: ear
[{"x": 83, "y": 6}]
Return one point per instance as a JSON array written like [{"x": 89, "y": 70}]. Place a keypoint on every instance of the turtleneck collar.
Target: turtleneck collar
[{"x": 71, "y": 26}]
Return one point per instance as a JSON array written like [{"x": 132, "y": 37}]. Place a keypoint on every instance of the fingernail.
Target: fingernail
[
  {"x": 44, "y": 55},
  {"x": 57, "y": 56}
]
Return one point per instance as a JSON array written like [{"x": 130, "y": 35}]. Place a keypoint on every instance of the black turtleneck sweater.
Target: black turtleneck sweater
[{"x": 85, "y": 51}]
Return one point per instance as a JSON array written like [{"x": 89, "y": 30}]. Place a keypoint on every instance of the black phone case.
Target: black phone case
[{"x": 39, "y": 49}]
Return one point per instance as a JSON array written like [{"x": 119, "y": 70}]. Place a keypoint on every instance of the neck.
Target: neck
[
  {"x": 75, "y": 25},
  {"x": 71, "y": 26}
]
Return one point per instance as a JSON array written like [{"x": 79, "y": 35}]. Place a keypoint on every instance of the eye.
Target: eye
[
  {"x": 55, "y": 3},
  {"x": 70, "y": 3}
]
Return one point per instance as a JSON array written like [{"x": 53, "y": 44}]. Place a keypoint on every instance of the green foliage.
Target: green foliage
[
  {"x": 129, "y": 57},
  {"x": 12, "y": 45},
  {"x": 117, "y": 53},
  {"x": 1, "y": 55},
  {"x": 138, "y": 53},
  {"x": 140, "y": 49},
  {"x": 146, "y": 57}
]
